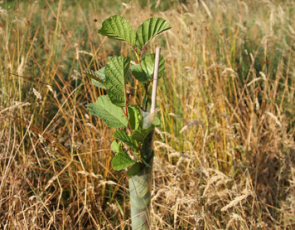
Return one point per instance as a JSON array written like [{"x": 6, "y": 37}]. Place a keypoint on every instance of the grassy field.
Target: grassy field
[{"x": 225, "y": 151}]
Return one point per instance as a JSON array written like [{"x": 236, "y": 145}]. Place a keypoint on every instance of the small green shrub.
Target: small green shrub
[{"x": 114, "y": 108}]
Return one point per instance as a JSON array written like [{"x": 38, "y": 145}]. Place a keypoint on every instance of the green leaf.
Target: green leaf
[
  {"x": 116, "y": 147},
  {"x": 111, "y": 114},
  {"x": 126, "y": 138},
  {"x": 149, "y": 29},
  {"x": 95, "y": 78},
  {"x": 145, "y": 73},
  {"x": 145, "y": 101},
  {"x": 148, "y": 64},
  {"x": 138, "y": 73},
  {"x": 134, "y": 170},
  {"x": 115, "y": 71},
  {"x": 134, "y": 116},
  {"x": 140, "y": 134},
  {"x": 101, "y": 73},
  {"x": 98, "y": 84},
  {"x": 156, "y": 122},
  {"x": 116, "y": 27},
  {"x": 121, "y": 161}
]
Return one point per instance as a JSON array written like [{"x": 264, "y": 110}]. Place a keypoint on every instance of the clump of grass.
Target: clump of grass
[{"x": 225, "y": 152}]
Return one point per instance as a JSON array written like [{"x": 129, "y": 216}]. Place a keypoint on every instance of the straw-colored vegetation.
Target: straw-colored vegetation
[{"x": 225, "y": 152}]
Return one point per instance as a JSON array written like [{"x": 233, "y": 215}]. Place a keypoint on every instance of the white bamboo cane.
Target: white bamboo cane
[{"x": 155, "y": 82}]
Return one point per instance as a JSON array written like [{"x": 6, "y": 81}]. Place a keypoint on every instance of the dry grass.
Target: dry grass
[{"x": 225, "y": 152}]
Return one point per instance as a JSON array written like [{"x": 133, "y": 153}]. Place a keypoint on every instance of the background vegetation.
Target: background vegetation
[{"x": 225, "y": 152}]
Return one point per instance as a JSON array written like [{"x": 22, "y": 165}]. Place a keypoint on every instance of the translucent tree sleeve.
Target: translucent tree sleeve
[{"x": 140, "y": 184}]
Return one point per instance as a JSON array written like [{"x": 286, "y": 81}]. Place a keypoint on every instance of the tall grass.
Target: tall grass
[{"x": 225, "y": 153}]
